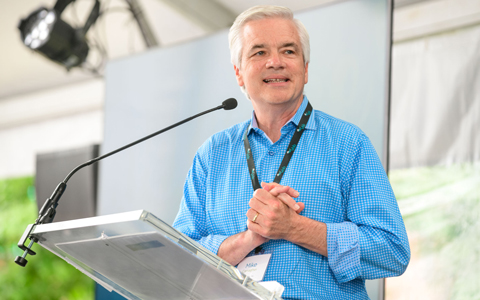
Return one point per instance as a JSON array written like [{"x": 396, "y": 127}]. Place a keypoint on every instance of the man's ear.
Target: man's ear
[
  {"x": 239, "y": 76},
  {"x": 306, "y": 73}
]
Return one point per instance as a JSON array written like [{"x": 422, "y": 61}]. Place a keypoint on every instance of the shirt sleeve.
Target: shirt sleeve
[
  {"x": 372, "y": 242},
  {"x": 191, "y": 218}
]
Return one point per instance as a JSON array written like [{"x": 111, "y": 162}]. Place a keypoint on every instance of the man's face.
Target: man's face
[{"x": 272, "y": 67}]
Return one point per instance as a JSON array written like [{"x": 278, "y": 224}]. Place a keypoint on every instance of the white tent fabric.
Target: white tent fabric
[{"x": 435, "y": 109}]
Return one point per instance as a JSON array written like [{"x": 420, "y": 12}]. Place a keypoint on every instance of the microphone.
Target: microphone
[
  {"x": 48, "y": 210},
  {"x": 229, "y": 104}
]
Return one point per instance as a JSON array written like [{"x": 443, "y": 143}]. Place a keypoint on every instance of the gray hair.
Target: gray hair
[{"x": 262, "y": 12}]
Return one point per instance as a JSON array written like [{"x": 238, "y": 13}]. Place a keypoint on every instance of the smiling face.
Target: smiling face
[{"x": 272, "y": 67}]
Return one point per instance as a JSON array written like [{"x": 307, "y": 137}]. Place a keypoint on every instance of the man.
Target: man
[{"x": 346, "y": 226}]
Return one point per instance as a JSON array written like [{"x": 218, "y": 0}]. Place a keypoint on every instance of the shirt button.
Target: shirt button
[{"x": 271, "y": 153}]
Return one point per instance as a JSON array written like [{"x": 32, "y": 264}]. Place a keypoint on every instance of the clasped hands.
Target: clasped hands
[{"x": 273, "y": 212}]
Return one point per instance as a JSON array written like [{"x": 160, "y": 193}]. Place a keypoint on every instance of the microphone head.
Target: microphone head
[{"x": 230, "y": 103}]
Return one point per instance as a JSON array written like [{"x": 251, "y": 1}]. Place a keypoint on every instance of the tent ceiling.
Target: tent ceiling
[{"x": 172, "y": 21}]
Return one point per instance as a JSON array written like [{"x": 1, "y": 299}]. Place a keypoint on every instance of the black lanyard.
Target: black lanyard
[{"x": 288, "y": 154}]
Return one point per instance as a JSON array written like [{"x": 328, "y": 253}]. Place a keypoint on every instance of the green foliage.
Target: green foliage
[
  {"x": 411, "y": 182},
  {"x": 46, "y": 276}
]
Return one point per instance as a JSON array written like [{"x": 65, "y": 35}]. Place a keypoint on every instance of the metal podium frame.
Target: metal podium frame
[{"x": 141, "y": 257}]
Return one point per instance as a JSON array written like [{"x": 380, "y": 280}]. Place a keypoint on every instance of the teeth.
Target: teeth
[{"x": 275, "y": 80}]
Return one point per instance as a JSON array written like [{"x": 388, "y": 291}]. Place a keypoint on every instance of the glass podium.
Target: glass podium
[{"x": 141, "y": 257}]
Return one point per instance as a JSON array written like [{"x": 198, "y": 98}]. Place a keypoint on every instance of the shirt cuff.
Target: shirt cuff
[
  {"x": 343, "y": 250},
  {"x": 212, "y": 242}
]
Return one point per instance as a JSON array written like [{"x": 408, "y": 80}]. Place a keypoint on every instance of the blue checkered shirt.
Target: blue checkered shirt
[{"x": 342, "y": 183}]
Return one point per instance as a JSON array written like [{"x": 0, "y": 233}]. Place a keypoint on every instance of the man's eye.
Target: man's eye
[
  {"x": 289, "y": 52},
  {"x": 260, "y": 53}
]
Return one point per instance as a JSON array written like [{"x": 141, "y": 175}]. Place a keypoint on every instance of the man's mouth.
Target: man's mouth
[{"x": 275, "y": 80}]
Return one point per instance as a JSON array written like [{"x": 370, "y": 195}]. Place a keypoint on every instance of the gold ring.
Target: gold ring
[{"x": 255, "y": 218}]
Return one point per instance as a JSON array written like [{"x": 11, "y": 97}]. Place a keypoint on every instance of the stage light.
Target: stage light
[{"x": 45, "y": 32}]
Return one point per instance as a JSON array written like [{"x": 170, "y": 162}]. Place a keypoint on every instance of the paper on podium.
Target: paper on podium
[
  {"x": 141, "y": 257},
  {"x": 274, "y": 287}
]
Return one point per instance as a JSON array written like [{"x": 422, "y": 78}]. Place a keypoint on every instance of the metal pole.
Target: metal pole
[{"x": 148, "y": 36}]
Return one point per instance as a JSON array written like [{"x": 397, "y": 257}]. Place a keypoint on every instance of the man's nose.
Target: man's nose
[{"x": 275, "y": 61}]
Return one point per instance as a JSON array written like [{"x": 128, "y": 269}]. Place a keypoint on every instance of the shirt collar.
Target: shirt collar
[{"x": 295, "y": 119}]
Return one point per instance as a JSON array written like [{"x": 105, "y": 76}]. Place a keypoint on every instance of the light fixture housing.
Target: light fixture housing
[{"x": 46, "y": 33}]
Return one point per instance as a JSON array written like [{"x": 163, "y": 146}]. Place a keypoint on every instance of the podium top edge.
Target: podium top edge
[{"x": 93, "y": 221}]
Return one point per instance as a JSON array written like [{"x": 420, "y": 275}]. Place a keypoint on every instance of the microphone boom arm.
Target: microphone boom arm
[{"x": 48, "y": 210}]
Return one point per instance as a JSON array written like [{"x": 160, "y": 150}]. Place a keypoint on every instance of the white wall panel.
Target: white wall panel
[{"x": 51, "y": 120}]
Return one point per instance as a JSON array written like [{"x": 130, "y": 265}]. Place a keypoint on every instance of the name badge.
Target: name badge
[{"x": 255, "y": 266}]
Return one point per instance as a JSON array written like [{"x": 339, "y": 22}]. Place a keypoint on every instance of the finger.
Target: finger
[
  {"x": 251, "y": 213},
  {"x": 277, "y": 189},
  {"x": 302, "y": 207},
  {"x": 284, "y": 190},
  {"x": 255, "y": 218},
  {"x": 267, "y": 186},
  {"x": 253, "y": 226},
  {"x": 287, "y": 200},
  {"x": 264, "y": 197},
  {"x": 257, "y": 206}
]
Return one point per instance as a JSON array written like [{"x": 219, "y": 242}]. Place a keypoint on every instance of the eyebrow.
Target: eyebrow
[
  {"x": 257, "y": 46},
  {"x": 286, "y": 45}
]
